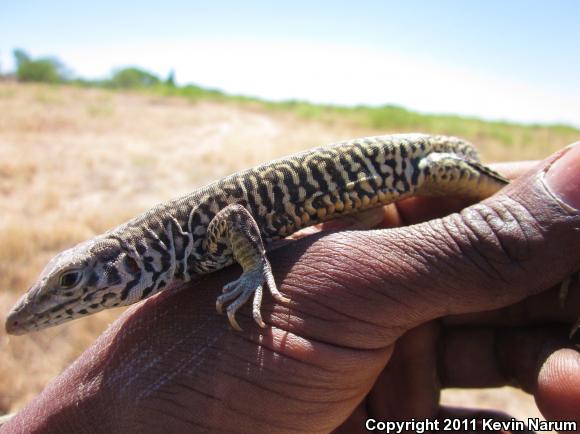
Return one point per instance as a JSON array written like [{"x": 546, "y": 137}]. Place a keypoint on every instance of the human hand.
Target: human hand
[{"x": 360, "y": 328}]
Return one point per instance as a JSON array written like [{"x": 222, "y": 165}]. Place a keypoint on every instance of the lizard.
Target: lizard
[{"x": 237, "y": 217}]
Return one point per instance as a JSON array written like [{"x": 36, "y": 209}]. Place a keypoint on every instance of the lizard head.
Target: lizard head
[{"x": 79, "y": 281}]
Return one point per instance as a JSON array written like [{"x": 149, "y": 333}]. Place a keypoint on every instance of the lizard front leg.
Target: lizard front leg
[{"x": 235, "y": 229}]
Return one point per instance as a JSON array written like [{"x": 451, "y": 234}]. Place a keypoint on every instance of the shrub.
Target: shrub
[
  {"x": 132, "y": 77},
  {"x": 44, "y": 69}
]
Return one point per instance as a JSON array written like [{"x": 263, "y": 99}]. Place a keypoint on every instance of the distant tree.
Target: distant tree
[
  {"x": 170, "y": 79},
  {"x": 21, "y": 57},
  {"x": 132, "y": 77},
  {"x": 44, "y": 69}
]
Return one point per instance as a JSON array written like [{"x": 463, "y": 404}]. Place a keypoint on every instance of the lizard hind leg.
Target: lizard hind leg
[
  {"x": 451, "y": 174},
  {"x": 235, "y": 227}
]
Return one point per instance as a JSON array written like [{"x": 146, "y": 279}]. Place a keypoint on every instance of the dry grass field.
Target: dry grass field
[{"x": 75, "y": 162}]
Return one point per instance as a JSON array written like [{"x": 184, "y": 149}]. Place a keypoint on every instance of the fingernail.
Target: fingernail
[{"x": 563, "y": 177}]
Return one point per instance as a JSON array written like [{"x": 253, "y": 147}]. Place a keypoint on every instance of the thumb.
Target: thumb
[{"x": 524, "y": 239}]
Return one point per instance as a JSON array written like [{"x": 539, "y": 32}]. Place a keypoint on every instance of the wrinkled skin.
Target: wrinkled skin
[{"x": 379, "y": 322}]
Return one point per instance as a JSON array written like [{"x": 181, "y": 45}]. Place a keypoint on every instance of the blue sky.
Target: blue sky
[{"x": 517, "y": 60}]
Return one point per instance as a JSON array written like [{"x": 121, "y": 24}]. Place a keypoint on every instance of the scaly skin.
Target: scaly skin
[{"x": 236, "y": 218}]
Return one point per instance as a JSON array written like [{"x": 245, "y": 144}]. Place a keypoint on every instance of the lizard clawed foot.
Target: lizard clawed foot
[
  {"x": 563, "y": 295},
  {"x": 239, "y": 291},
  {"x": 575, "y": 328},
  {"x": 564, "y": 288}
]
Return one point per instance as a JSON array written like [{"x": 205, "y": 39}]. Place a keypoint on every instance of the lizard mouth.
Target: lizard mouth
[
  {"x": 29, "y": 314},
  {"x": 21, "y": 319},
  {"x": 18, "y": 322}
]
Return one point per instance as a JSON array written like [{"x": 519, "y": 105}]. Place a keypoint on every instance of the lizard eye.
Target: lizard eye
[{"x": 70, "y": 279}]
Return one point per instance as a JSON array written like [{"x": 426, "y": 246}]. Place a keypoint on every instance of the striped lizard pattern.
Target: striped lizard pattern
[{"x": 236, "y": 218}]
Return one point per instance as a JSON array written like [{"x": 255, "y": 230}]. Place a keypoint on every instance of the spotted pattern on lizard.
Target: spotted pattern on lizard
[{"x": 234, "y": 219}]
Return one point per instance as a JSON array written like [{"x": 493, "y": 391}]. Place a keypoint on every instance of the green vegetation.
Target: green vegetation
[
  {"x": 132, "y": 78},
  {"x": 385, "y": 118},
  {"x": 45, "y": 69}
]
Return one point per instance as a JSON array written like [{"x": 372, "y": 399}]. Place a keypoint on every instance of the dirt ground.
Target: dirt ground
[{"x": 75, "y": 162}]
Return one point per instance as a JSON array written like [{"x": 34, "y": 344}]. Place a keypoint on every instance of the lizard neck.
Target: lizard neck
[{"x": 155, "y": 255}]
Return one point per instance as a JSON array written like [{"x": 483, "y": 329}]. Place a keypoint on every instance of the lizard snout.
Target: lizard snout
[
  {"x": 16, "y": 322},
  {"x": 20, "y": 318}
]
